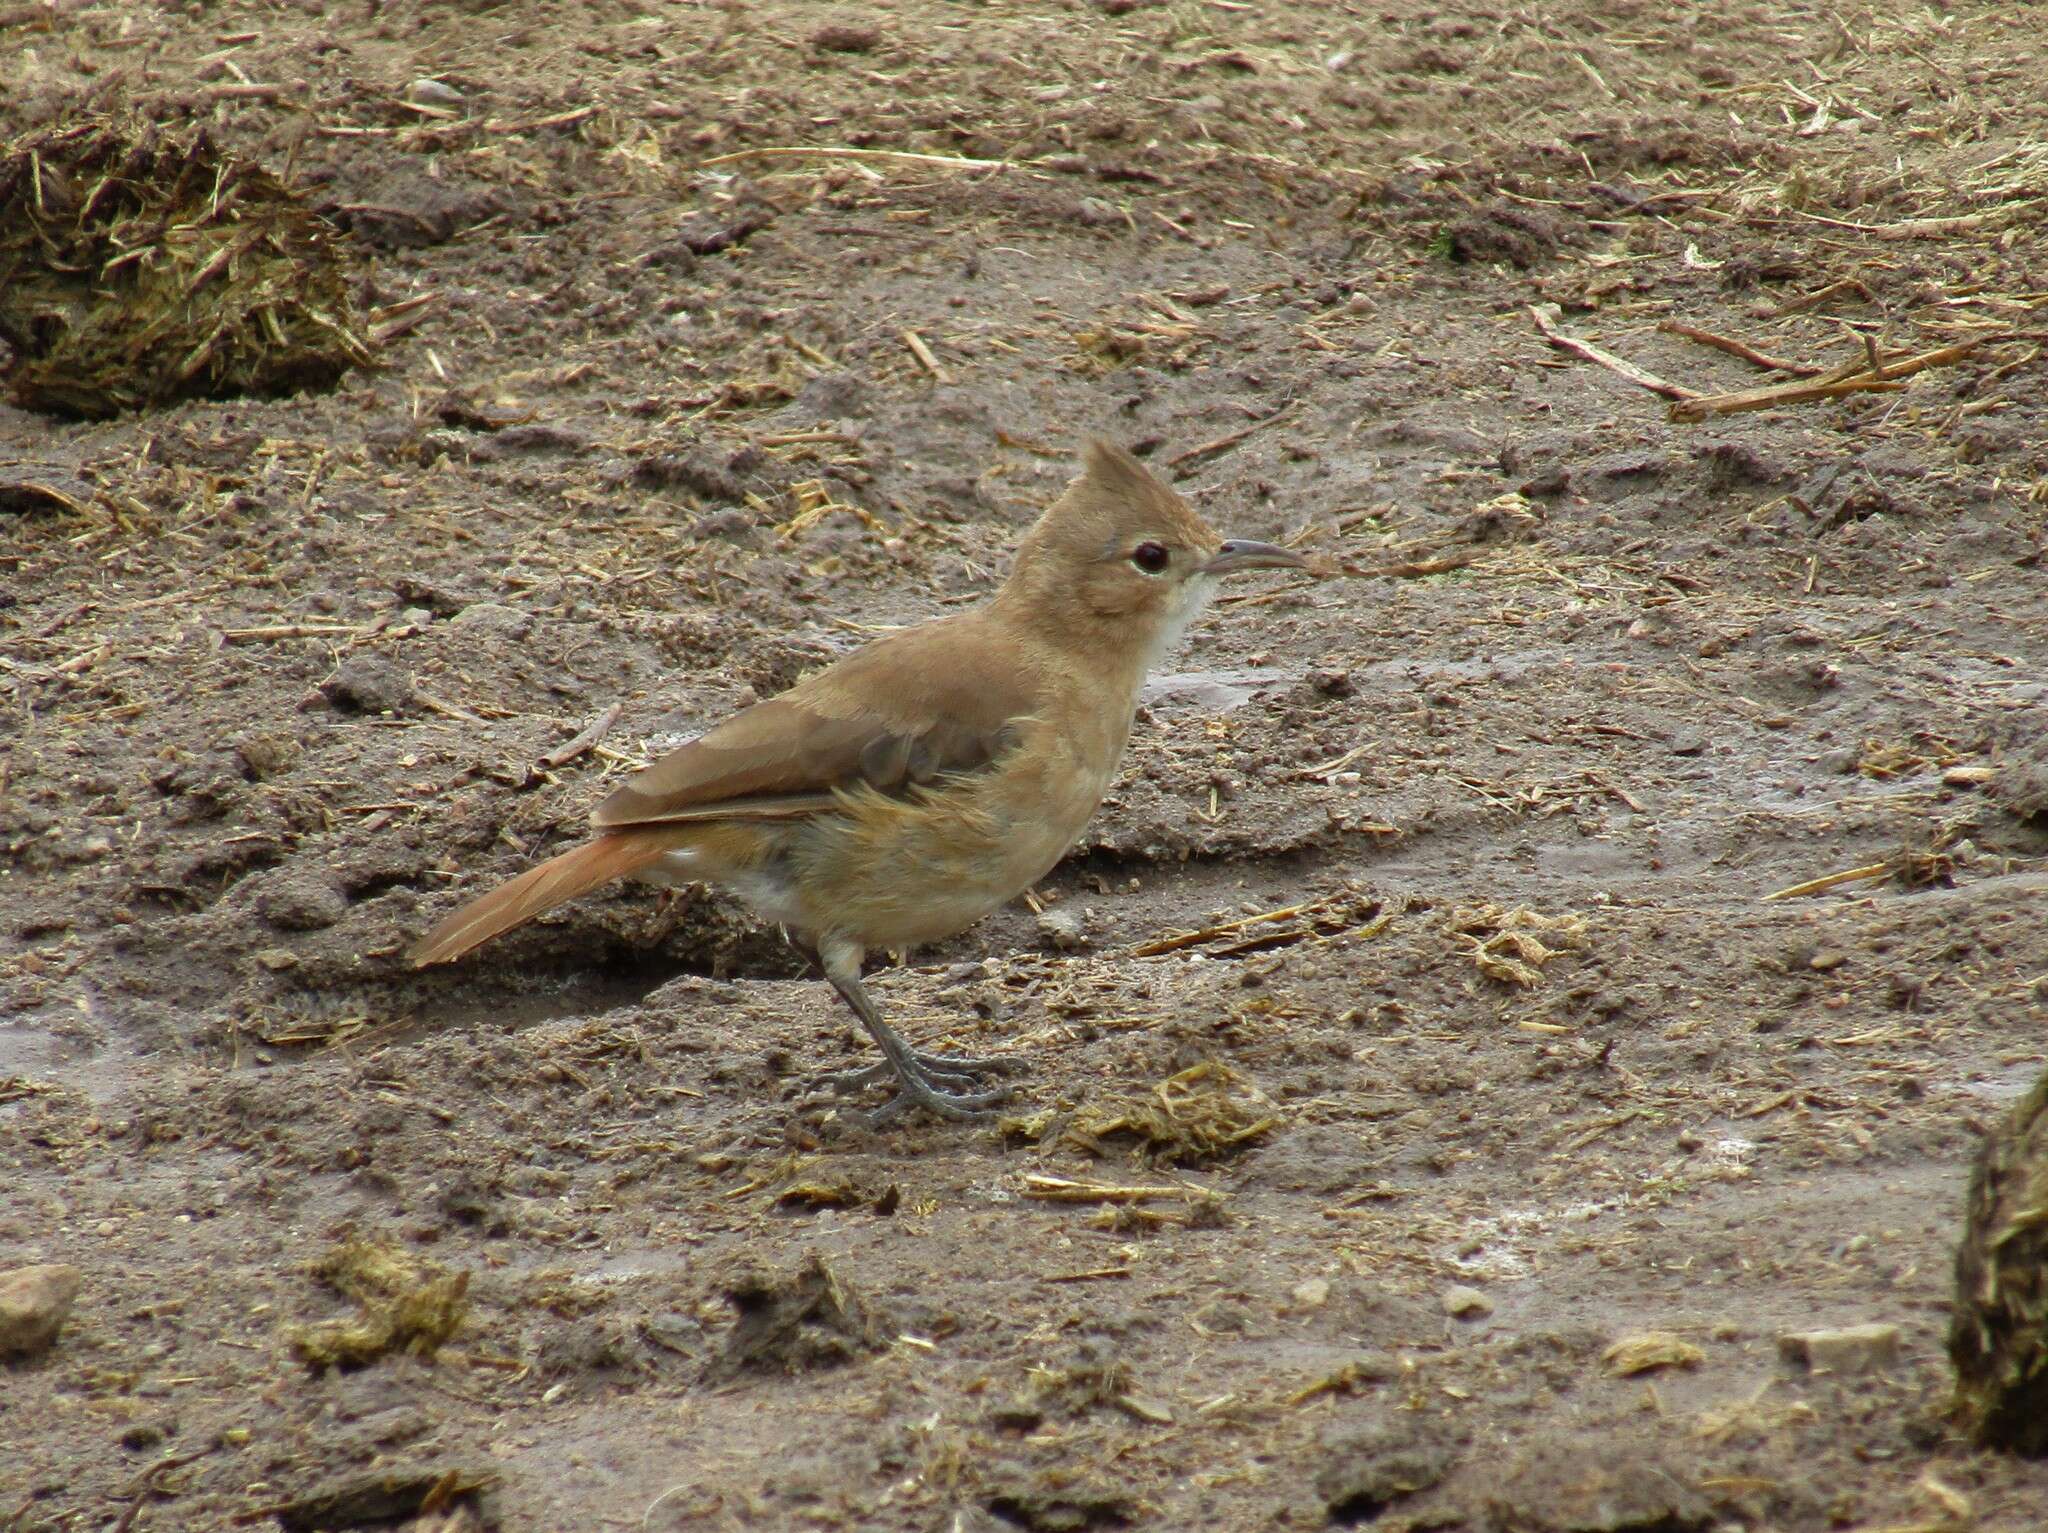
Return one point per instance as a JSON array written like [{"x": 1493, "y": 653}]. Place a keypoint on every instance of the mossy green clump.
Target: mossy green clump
[
  {"x": 407, "y": 1305},
  {"x": 1206, "y": 1113},
  {"x": 1998, "y": 1330},
  {"x": 142, "y": 264}
]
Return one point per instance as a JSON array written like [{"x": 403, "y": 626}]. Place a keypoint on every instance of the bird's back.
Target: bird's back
[{"x": 922, "y": 703}]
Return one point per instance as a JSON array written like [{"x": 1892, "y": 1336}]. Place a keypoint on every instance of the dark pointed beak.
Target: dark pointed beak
[{"x": 1244, "y": 554}]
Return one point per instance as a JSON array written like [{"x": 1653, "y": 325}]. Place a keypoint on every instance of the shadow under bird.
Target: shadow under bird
[{"x": 904, "y": 792}]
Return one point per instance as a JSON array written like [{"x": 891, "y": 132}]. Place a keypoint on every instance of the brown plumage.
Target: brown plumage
[{"x": 906, "y": 791}]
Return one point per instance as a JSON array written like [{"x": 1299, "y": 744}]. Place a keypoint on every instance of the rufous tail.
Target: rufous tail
[{"x": 539, "y": 890}]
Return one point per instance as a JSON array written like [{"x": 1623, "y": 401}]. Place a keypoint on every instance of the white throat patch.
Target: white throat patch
[{"x": 1194, "y": 596}]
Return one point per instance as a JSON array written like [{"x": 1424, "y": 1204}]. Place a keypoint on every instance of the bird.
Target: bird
[{"x": 915, "y": 785}]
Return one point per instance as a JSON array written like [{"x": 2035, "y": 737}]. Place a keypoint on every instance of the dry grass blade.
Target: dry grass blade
[
  {"x": 1344, "y": 1379},
  {"x": 1330, "y": 917},
  {"x": 814, "y": 502},
  {"x": 1870, "y": 372},
  {"x": 1928, "y": 228},
  {"x": 1886, "y": 760},
  {"x": 1829, "y": 881},
  {"x": 1770, "y": 396},
  {"x": 585, "y": 741},
  {"x": 41, "y": 489},
  {"x": 1547, "y": 315},
  {"x": 1060, "y": 1189},
  {"x": 1228, "y": 439},
  {"x": 1917, "y": 865},
  {"x": 885, "y": 156},
  {"x": 1736, "y": 348},
  {"x": 1651, "y": 1350},
  {"x": 1411, "y": 569},
  {"x": 922, "y": 351},
  {"x": 297, "y": 1032}
]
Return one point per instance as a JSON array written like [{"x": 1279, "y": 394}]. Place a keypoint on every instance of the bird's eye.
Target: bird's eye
[{"x": 1152, "y": 558}]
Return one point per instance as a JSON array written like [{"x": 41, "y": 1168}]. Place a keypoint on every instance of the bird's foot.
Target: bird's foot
[
  {"x": 940, "y": 1083},
  {"x": 919, "y": 1091},
  {"x": 948, "y": 1069}
]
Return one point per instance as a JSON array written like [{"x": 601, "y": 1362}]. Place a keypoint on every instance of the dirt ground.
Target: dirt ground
[{"x": 1412, "y": 1025}]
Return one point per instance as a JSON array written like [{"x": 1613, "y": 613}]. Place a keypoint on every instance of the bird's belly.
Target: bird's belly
[{"x": 896, "y": 873}]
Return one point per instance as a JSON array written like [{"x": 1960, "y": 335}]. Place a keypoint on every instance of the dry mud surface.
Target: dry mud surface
[{"x": 279, "y": 682}]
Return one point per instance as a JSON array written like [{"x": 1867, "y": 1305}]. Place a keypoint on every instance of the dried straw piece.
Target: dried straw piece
[
  {"x": 1649, "y": 1350},
  {"x": 1869, "y": 372},
  {"x": 1546, "y": 316}
]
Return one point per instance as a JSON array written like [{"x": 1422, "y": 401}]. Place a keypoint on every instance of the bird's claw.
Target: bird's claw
[
  {"x": 918, "y": 1091},
  {"x": 940, "y": 1083},
  {"x": 952, "y": 1069}
]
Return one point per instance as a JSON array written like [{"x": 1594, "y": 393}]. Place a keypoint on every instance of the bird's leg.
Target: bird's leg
[
  {"x": 921, "y": 1079},
  {"x": 954, "y": 1069}
]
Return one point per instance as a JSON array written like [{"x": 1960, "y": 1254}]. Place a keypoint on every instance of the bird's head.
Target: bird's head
[{"x": 1122, "y": 559}]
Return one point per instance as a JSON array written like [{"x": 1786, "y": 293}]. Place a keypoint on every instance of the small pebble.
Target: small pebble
[
  {"x": 1846, "y": 1349},
  {"x": 367, "y": 684},
  {"x": 301, "y": 903},
  {"x": 34, "y": 1302},
  {"x": 842, "y": 37},
  {"x": 428, "y": 92},
  {"x": 1313, "y": 1294},
  {"x": 264, "y": 756},
  {"x": 493, "y": 620},
  {"x": 1061, "y": 930},
  {"x": 1462, "y": 1302}
]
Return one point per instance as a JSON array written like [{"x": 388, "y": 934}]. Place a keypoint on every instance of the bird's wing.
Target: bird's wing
[{"x": 940, "y": 698}]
